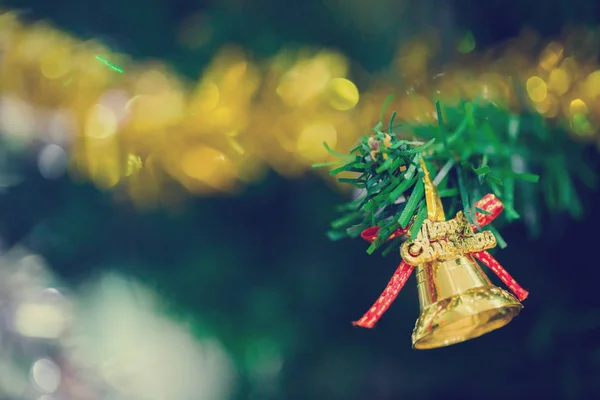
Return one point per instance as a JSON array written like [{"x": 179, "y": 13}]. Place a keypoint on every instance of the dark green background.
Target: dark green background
[{"x": 274, "y": 276}]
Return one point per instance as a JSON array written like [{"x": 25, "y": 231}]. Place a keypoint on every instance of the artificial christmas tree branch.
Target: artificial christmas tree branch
[{"x": 474, "y": 149}]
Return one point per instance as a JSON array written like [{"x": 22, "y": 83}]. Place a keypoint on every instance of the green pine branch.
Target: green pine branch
[{"x": 476, "y": 150}]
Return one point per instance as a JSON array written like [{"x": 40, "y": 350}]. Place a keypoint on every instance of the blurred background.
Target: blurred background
[{"x": 127, "y": 272}]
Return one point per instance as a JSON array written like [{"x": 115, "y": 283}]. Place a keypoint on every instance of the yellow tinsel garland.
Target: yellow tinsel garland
[{"x": 138, "y": 126}]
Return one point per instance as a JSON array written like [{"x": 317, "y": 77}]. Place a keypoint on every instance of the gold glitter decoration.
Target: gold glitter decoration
[
  {"x": 132, "y": 127},
  {"x": 445, "y": 240}
]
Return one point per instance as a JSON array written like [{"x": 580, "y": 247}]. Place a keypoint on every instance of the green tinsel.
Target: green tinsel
[{"x": 476, "y": 150}]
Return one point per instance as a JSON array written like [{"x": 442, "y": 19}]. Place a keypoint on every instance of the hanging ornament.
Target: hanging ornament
[
  {"x": 457, "y": 300},
  {"x": 399, "y": 207}
]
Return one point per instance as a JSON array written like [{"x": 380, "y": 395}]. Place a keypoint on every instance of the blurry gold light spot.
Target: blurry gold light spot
[
  {"x": 344, "y": 94},
  {"x": 414, "y": 59},
  {"x": 578, "y": 106},
  {"x": 536, "y": 88},
  {"x": 55, "y": 63},
  {"x": 117, "y": 101},
  {"x": 134, "y": 164},
  {"x": 102, "y": 161},
  {"x": 571, "y": 65},
  {"x": 593, "y": 84},
  {"x": 101, "y": 122},
  {"x": 34, "y": 43},
  {"x": 235, "y": 73},
  {"x": 152, "y": 82},
  {"x": 107, "y": 177},
  {"x": 132, "y": 104},
  {"x": 206, "y": 98},
  {"x": 559, "y": 81},
  {"x": 551, "y": 56},
  {"x": 223, "y": 116},
  {"x": 306, "y": 80},
  {"x": 549, "y": 107},
  {"x": 449, "y": 92},
  {"x": 209, "y": 166},
  {"x": 155, "y": 111},
  {"x": 337, "y": 63},
  {"x": 542, "y": 107},
  {"x": 172, "y": 107},
  {"x": 417, "y": 108},
  {"x": 310, "y": 141}
]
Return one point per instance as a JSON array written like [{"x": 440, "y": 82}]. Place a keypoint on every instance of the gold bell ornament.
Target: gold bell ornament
[{"x": 457, "y": 300}]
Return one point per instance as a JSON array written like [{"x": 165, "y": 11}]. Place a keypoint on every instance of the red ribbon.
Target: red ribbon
[{"x": 489, "y": 203}]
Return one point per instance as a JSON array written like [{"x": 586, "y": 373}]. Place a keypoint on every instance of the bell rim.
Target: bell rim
[{"x": 511, "y": 309}]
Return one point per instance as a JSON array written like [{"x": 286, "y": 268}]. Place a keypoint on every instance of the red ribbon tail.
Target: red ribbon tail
[
  {"x": 370, "y": 234},
  {"x": 387, "y": 297},
  {"x": 492, "y": 206},
  {"x": 490, "y": 262}
]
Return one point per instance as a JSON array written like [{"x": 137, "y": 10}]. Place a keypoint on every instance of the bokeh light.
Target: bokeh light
[{"x": 102, "y": 116}]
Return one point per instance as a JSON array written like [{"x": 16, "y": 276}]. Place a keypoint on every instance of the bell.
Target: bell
[{"x": 458, "y": 302}]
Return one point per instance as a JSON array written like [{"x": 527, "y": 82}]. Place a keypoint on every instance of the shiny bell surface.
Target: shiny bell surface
[{"x": 458, "y": 302}]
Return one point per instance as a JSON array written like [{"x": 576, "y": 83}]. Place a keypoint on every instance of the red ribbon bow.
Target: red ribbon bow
[{"x": 489, "y": 203}]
